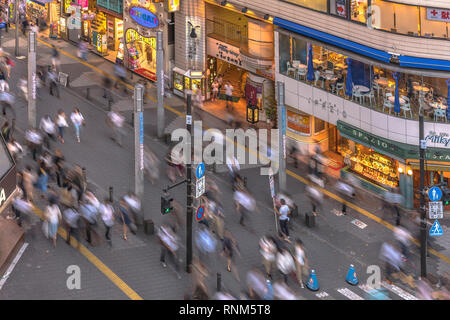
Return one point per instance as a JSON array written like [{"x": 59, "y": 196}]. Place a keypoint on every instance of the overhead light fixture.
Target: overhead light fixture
[
  {"x": 266, "y": 16},
  {"x": 400, "y": 169},
  {"x": 410, "y": 172},
  {"x": 244, "y": 9},
  {"x": 223, "y": 3}
]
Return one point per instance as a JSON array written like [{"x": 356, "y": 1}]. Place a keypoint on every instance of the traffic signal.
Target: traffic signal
[
  {"x": 166, "y": 204},
  {"x": 445, "y": 196}
]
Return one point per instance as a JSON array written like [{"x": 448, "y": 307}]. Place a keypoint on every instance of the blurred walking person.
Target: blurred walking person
[
  {"x": 71, "y": 218},
  {"x": 229, "y": 245},
  {"x": 58, "y": 165},
  {"x": 77, "y": 120},
  {"x": 61, "y": 122},
  {"x": 106, "y": 211},
  {"x": 49, "y": 128},
  {"x": 53, "y": 217},
  {"x": 115, "y": 120},
  {"x": 403, "y": 238},
  {"x": 244, "y": 203},
  {"x": 285, "y": 263},
  {"x": 42, "y": 179},
  {"x": 169, "y": 245},
  {"x": 34, "y": 142},
  {"x": 53, "y": 81},
  {"x": 29, "y": 179},
  {"x": 199, "y": 273},
  {"x": 121, "y": 73},
  {"x": 392, "y": 258},
  {"x": 55, "y": 59},
  {"x": 301, "y": 263},
  {"x": 268, "y": 251},
  {"x": 126, "y": 219},
  {"x": 151, "y": 165}
]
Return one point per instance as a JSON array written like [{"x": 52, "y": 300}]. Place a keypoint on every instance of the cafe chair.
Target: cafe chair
[
  {"x": 370, "y": 95},
  {"x": 338, "y": 87},
  {"x": 317, "y": 79},
  {"x": 356, "y": 94},
  {"x": 290, "y": 68},
  {"x": 440, "y": 113},
  {"x": 301, "y": 73},
  {"x": 406, "y": 107},
  {"x": 377, "y": 87},
  {"x": 387, "y": 103}
]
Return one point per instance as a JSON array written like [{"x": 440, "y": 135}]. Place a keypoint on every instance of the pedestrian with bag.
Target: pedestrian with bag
[
  {"x": 126, "y": 219},
  {"x": 71, "y": 219},
  {"x": 34, "y": 142},
  {"x": 89, "y": 217},
  {"x": 285, "y": 263},
  {"x": 49, "y": 128}
]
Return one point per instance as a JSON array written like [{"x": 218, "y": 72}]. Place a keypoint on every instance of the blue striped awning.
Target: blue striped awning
[
  {"x": 424, "y": 63},
  {"x": 333, "y": 40}
]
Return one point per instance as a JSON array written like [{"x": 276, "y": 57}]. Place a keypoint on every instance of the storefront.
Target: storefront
[
  {"x": 188, "y": 81},
  {"x": 106, "y": 30},
  {"x": 39, "y": 11},
  {"x": 142, "y": 22},
  {"x": 11, "y": 235}
]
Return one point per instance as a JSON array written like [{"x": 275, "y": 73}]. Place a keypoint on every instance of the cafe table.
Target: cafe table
[
  {"x": 382, "y": 82},
  {"x": 392, "y": 100},
  {"x": 437, "y": 105},
  {"x": 361, "y": 88},
  {"x": 421, "y": 88}
]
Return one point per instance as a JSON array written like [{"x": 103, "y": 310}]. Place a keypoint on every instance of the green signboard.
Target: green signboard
[{"x": 397, "y": 150}]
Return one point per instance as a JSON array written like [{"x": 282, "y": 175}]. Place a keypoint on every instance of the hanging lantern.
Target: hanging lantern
[{"x": 252, "y": 113}]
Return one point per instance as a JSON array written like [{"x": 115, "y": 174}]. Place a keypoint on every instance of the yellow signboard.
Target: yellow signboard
[
  {"x": 133, "y": 35},
  {"x": 174, "y": 5}
]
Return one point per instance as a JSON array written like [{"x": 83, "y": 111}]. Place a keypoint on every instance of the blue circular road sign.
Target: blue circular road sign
[
  {"x": 435, "y": 194},
  {"x": 200, "y": 172},
  {"x": 200, "y": 213}
]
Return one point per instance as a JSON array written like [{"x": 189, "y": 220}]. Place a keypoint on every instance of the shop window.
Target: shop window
[
  {"x": 370, "y": 165},
  {"x": 319, "y": 5},
  {"x": 298, "y": 122},
  {"x": 358, "y": 10},
  {"x": 396, "y": 18},
  {"x": 338, "y": 8},
  {"x": 319, "y": 125},
  {"x": 431, "y": 27},
  {"x": 284, "y": 52}
]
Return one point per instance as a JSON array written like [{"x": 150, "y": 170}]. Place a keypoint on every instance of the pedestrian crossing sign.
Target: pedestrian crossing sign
[{"x": 436, "y": 229}]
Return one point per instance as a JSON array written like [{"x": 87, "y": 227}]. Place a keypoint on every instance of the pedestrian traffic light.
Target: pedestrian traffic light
[
  {"x": 445, "y": 196},
  {"x": 166, "y": 204}
]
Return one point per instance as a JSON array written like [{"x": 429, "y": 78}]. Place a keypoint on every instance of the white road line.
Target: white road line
[
  {"x": 349, "y": 294},
  {"x": 322, "y": 294},
  {"x": 13, "y": 264},
  {"x": 398, "y": 291}
]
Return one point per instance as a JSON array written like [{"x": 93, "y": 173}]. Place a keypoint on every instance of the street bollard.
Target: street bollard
[
  {"x": 111, "y": 194},
  {"x": 219, "y": 282},
  {"x": 109, "y": 104},
  {"x": 88, "y": 93},
  {"x": 84, "y": 174}
]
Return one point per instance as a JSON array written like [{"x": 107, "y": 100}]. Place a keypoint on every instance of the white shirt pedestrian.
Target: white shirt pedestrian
[
  {"x": 48, "y": 126},
  {"x": 77, "y": 120}
]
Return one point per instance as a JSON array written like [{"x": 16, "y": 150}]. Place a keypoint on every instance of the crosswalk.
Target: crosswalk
[{"x": 364, "y": 292}]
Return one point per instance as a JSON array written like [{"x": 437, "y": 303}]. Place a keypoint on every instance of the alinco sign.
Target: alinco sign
[{"x": 144, "y": 17}]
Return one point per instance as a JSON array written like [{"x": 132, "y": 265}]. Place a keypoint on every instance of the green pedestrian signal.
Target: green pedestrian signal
[{"x": 166, "y": 204}]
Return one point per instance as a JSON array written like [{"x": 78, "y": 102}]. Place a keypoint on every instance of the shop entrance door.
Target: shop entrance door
[{"x": 332, "y": 139}]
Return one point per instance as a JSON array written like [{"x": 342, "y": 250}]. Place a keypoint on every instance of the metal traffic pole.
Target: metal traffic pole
[
  {"x": 160, "y": 83},
  {"x": 189, "y": 209},
  {"x": 139, "y": 145},
  {"x": 423, "y": 223},
  {"x": 32, "y": 79},
  {"x": 281, "y": 138},
  {"x": 16, "y": 22}
]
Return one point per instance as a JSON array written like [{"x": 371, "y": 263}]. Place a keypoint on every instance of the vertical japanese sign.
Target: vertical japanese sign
[
  {"x": 141, "y": 141},
  {"x": 194, "y": 39}
]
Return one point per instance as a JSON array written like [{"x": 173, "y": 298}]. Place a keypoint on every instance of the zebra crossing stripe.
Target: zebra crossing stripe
[
  {"x": 398, "y": 291},
  {"x": 369, "y": 290},
  {"x": 349, "y": 294}
]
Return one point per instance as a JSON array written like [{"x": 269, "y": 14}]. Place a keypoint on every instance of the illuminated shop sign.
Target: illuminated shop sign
[
  {"x": 132, "y": 35},
  {"x": 144, "y": 17}
]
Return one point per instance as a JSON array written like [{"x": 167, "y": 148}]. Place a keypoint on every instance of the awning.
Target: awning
[
  {"x": 404, "y": 61},
  {"x": 337, "y": 41},
  {"x": 429, "y": 167},
  {"x": 423, "y": 63}
]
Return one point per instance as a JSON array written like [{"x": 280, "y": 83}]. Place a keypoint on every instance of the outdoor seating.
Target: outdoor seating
[
  {"x": 338, "y": 87},
  {"x": 370, "y": 95},
  {"x": 301, "y": 73},
  {"x": 406, "y": 107},
  {"x": 440, "y": 114},
  {"x": 290, "y": 68},
  {"x": 317, "y": 79},
  {"x": 356, "y": 94},
  {"x": 387, "y": 103}
]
